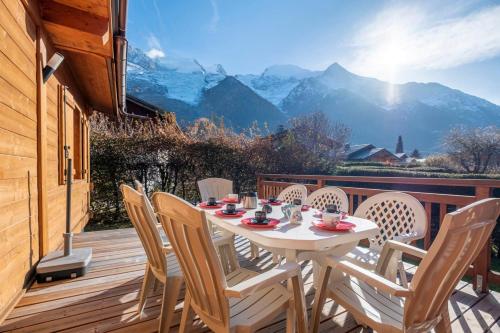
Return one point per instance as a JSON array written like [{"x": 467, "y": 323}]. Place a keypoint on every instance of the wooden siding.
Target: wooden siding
[
  {"x": 24, "y": 138},
  {"x": 106, "y": 299}
]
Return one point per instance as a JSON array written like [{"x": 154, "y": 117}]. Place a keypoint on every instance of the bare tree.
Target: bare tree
[
  {"x": 320, "y": 135},
  {"x": 473, "y": 149}
]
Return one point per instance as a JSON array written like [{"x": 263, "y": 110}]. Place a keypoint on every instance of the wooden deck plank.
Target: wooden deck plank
[{"x": 105, "y": 300}]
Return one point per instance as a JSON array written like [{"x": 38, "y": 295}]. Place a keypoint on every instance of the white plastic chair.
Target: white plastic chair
[
  {"x": 329, "y": 195},
  {"x": 400, "y": 217},
  {"x": 292, "y": 192},
  {"x": 385, "y": 306},
  {"x": 214, "y": 187},
  {"x": 243, "y": 301}
]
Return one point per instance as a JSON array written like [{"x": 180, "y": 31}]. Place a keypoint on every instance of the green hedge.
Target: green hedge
[{"x": 423, "y": 172}]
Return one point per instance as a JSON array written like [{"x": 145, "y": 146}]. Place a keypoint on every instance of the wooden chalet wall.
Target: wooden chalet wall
[{"x": 32, "y": 193}]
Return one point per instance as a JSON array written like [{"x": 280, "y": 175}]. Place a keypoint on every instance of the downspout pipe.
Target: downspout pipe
[{"x": 120, "y": 49}]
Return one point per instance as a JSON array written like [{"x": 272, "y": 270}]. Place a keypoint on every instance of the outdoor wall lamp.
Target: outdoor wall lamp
[{"x": 52, "y": 65}]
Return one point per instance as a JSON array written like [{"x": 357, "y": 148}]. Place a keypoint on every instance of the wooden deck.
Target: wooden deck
[{"x": 105, "y": 300}]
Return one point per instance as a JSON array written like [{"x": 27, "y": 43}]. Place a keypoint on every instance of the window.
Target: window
[
  {"x": 73, "y": 137},
  {"x": 77, "y": 144}
]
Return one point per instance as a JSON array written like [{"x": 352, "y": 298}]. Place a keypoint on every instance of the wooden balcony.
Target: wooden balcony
[
  {"x": 105, "y": 300},
  {"x": 439, "y": 196}
]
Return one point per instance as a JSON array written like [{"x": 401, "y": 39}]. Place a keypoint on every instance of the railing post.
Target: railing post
[
  {"x": 260, "y": 187},
  {"x": 428, "y": 213},
  {"x": 482, "y": 263},
  {"x": 320, "y": 183}
]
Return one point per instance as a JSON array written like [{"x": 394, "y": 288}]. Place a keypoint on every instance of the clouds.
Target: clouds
[
  {"x": 415, "y": 37},
  {"x": 155, "y": 49},
  {"x": 155, "y": 53}
]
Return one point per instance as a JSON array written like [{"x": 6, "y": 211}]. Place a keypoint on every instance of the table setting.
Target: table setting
[{"x": 286, "y": 226}]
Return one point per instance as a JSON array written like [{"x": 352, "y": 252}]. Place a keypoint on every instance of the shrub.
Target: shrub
[
  {"x": 164, "y": 158},
  {"x": 441, "y": 161}
]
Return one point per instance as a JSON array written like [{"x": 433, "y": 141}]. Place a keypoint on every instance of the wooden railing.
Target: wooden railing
[{"x": 438, "y": 195}]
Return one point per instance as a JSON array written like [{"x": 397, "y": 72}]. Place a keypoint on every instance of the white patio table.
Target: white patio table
[{"x": 297, "y": 242}]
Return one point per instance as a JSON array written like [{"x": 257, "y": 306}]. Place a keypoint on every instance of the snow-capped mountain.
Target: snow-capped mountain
[
  {"x": 193, "y": 90},
  {"x": 375, "y": 110},
  {"x": 184, "y": 79},
  {"x": 378, "y": 111},
  {"x": 276, "y": 82}
]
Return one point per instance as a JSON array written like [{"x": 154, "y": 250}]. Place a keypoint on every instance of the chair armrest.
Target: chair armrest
[
  {"x": 405, "y": 248},
  {"x": 264, "y": 280},
  {"x": 369, "y": 277}
]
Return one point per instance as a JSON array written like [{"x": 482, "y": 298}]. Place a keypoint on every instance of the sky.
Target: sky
[{"x": 453, "y": 42}]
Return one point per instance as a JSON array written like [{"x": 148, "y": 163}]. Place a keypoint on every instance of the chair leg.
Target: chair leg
[
  {"x": 171, "y": 292},
  {"x": 299, "y": 302},
  {"x": 156, "y": 284},
  {"x": 146, "y": 286},
  {"x": 319, "y": 298},
  {"x": 402, "y": 274},
  {"x": 233, "y": 256},
  {"x": 444, "y": 325},
  {"x": 254, "y": 251},
  {"x": 187, "y": 315},
  {"x": 223, "y": 258},
  {"x": 276, "y": 259}
]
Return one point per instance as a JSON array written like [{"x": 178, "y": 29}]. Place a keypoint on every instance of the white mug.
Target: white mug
[{"x": 331, "y": 219}]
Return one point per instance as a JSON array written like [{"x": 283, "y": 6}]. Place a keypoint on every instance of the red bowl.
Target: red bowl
[
  {"x": 204, "y": 206},
  {"x": 239, "y": 213},
  {"x": 271, "y": 224},
  {"x": 341, "y": 226}
]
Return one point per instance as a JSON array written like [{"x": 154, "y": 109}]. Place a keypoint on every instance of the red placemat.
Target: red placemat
[
  {"x": 342, "y": 226},
  {"x": 276, "y": 203},
  {"x": 239, "y": 213},
  {"x": 230, "y": 200},
  {"x": 271, "y": 224},
  {"x": 205, "y": 206}
]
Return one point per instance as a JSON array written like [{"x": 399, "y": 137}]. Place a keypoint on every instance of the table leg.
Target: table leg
[{"x": 291, "y": 256}]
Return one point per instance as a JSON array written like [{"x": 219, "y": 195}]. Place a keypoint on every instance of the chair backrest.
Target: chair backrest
[
  {"x": 214, "y": 187},
  {"x": 140, "y": 188},
  {"x": 187, "y": 229},
  {"x": 144, "y": 222},
  {"x": 329, "y": 195},
  {"x": 396, "y": 214},
  {"x": 296, "y": 191},
  {"x": 461, "y": 237}
]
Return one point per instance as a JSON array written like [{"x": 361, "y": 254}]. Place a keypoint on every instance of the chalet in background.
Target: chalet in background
[
  {"x": 38, "y": 120},
  {"x": 370, "y": 153}
]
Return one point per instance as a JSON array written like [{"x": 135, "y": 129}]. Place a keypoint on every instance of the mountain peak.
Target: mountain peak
[
  {"x": 287, "y": 71},
  {"x": 336, "y": 68}
]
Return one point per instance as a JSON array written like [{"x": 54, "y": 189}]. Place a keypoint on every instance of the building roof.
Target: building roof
[
  {"x": 401, "y": 155},
  {"x": 140, "y": 107},
  {"x": 365, "y": 151},
  {"x": 84, "y": 32},
  {"x": 356, "y": 148}
]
